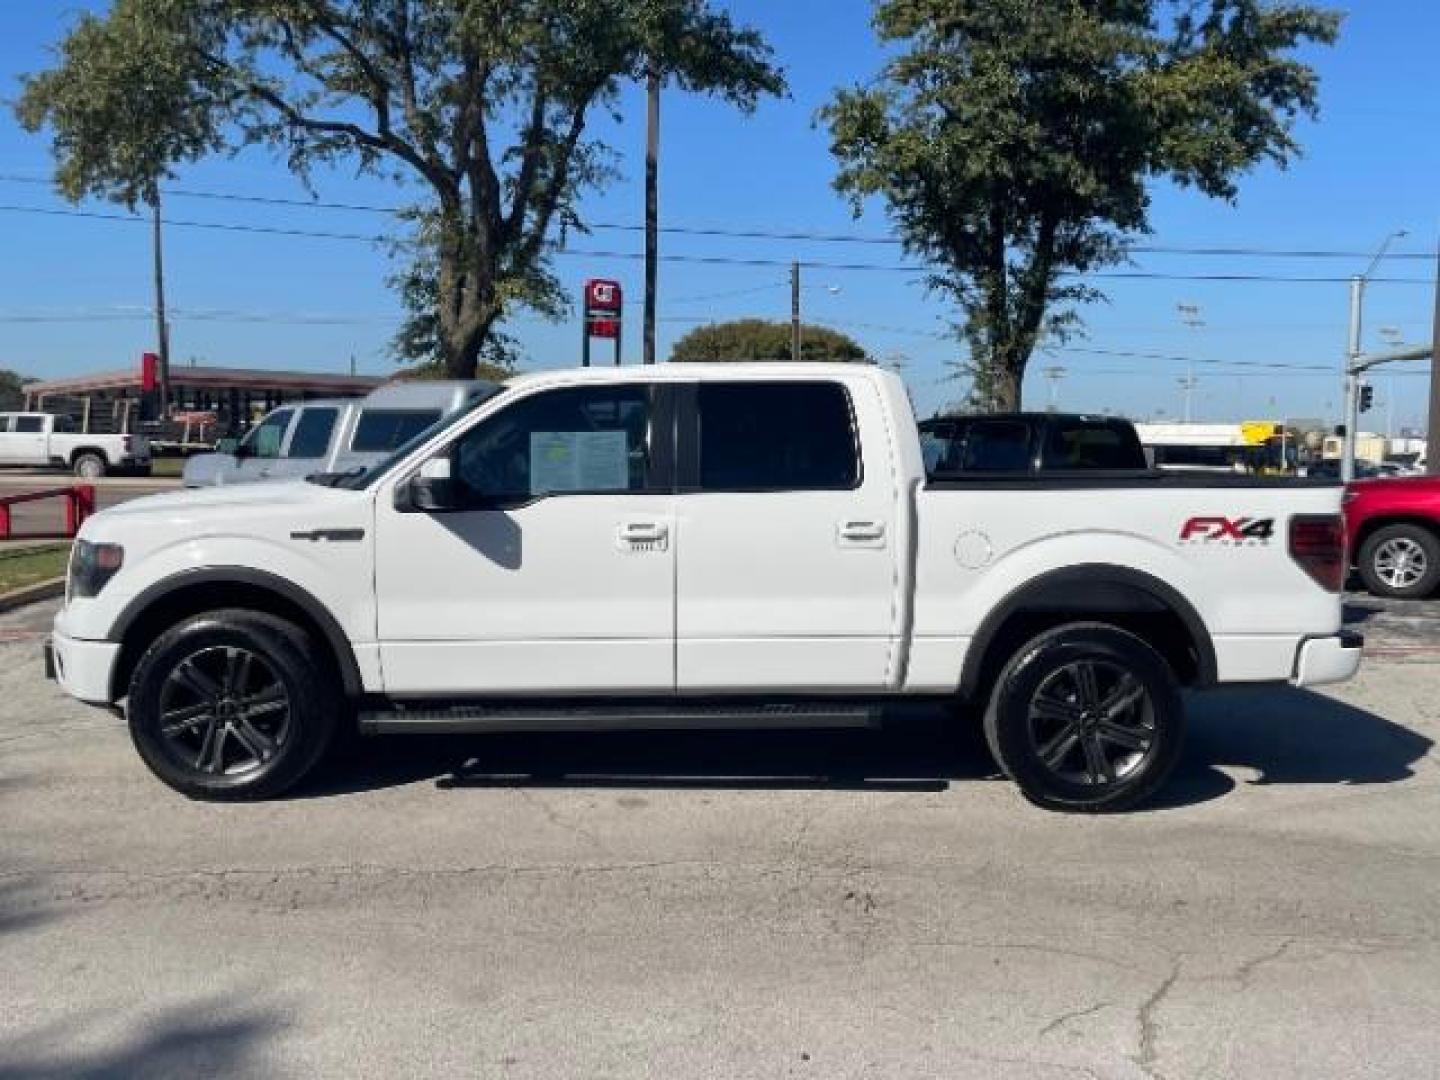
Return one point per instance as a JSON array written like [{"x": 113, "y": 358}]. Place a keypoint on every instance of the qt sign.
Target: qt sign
[{"x": 604, "y": 309}]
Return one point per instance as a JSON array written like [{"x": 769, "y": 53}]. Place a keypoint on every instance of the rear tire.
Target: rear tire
[
  {"x": 233, "y": 704},
  {"x": 89, "y": 465},
  {"x": 1401, "y": 562},
  {"x": 1086, "y": 718}
]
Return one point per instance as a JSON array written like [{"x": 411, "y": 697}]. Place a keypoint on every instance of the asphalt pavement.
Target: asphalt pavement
[{"x": 817, "y": 905}]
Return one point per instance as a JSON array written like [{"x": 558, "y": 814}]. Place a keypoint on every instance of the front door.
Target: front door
[
  {"x": 555, "y": 576},
  {"x": 261, "y": 449},
  {"x": 789, "y": 548}
]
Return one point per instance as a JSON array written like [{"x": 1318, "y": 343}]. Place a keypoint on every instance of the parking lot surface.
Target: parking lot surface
[{"x": 817, "y": 905}]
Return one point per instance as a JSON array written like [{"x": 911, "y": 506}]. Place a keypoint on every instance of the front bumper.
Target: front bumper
[
  {"x": 82, "y": 668},
  {"x": 1324, "y": 660}
]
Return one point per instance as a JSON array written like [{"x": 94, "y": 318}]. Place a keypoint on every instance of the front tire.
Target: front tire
[
  {"x": 1401, "y": 562},
  {"x": 1086, "y": 718},
  {"x": 89, "y": 466},
  {"x": 232, "y": 704}
]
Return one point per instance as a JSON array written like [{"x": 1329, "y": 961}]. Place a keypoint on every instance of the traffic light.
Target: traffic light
[{"x": 1367, "y": 398}]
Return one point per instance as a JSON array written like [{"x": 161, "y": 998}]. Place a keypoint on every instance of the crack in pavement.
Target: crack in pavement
[
  {"x": 1074, "y": 1014},
  {"x": 1147, "y": 1055}
]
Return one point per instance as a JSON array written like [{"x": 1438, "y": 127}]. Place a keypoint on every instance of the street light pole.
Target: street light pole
[
  {"x": 1353, "y": 352},
  {"x": 1352, "y": 379}
]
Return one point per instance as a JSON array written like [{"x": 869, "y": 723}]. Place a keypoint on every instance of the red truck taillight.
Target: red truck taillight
[{"x": 1317, "y": 544}]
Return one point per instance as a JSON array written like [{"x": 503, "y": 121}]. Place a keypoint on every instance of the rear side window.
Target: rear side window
[
  {"x": 29, "y": 424},
  {"x": 381, "y": 430},
  {"x": 311, "y": 437},
  {"x": 766, "y": 436},
  {"x": 1092, "y": 446},
  {"x": 998, "y": 446}
]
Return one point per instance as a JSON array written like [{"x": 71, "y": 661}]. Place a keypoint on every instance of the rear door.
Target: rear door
[{"x": 787, "y": 569}]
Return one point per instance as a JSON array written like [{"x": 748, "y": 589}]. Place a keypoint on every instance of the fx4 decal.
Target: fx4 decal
[{"x": 1227, "y": 531}]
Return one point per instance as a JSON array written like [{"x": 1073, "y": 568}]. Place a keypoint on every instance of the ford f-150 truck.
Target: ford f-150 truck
[{"x": 697, "y": 546}]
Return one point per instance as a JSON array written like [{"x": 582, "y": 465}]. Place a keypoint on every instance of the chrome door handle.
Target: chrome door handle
[
  {"x": 643, "y": 531},
  {"x": 862, "y": 531}
]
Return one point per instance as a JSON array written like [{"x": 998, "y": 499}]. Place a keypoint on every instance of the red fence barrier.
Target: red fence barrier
[{"x": 79, "y": 505}]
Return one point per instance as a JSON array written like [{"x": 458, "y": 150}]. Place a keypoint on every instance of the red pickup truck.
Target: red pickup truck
[{"x": 1393, "y": 526}]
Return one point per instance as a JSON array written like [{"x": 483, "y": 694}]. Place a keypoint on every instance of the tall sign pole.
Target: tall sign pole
[
  {"x": 652, "y": 205},
  {"x": 1432, "y": 430}
]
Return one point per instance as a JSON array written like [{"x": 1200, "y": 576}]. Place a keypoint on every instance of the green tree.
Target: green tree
[
  {"x": 763, "y": 339},
  {"x": 12, "y": 389},
  {"x": 1014, "y": 141},
  {"x": 481, "y": 105}
]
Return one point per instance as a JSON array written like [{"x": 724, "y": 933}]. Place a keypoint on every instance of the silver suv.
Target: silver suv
[{"x": 330, "y": 435}]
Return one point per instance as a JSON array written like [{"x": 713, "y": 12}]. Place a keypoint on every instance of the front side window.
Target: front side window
[
  {"x": 579, "y": 439},
  {"x": 773, "y": 436},
  {"x": 265, "y": 440},
  {"x": 312, "y": 433},
  {"x": 380, "y": 431},
  {"x": 30, "y": 425}
]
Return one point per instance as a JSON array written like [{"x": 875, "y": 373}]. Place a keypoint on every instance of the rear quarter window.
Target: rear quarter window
[
  {"x": 379, "y": 431},
  {"x": 1088, "y": 446}
]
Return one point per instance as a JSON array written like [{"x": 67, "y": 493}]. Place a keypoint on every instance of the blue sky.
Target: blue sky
[{"x": 74, "y": 293}]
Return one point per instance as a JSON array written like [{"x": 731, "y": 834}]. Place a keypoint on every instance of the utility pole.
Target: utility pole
[
  {"x": 1054, "y": 374},
  {"x": 1432, "y": 428},
  {"x": 1190, "y": 316},
  {"x": 652, "y": 205},
  {"x": 162, "y": 329},
  {"x": 795, "y": 342}
]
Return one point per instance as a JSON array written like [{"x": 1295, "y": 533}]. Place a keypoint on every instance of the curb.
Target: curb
[{"x": 29, "y": 594}]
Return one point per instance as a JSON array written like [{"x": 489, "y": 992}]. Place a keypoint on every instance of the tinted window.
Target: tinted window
[
  {"x": 30, "y": 424},
  {"x": 590, "y": 439},
  {"x": 381, "y": 430},
  {"x": 264, "y": 441},
  {"x": 1078, "y": 445},
  {"x": 312, "y": 433},
  {"x": 998, "y": 446},
  {"x": 776, "y": 437}
]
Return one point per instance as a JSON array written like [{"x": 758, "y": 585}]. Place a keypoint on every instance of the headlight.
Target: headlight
[{"x": 92, "y": 565}]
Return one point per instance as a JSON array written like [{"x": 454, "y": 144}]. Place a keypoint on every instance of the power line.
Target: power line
[{"x": 802, "y": 235}]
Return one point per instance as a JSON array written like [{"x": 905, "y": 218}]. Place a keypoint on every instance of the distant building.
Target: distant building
[{"x": 121, "y": 401}]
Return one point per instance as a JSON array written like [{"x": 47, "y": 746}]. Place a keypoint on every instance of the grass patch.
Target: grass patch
[
  {"x": 32, "y": 564},
  {"x": 167, "y": 466}
]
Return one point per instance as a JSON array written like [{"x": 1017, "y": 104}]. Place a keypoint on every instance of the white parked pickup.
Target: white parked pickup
[
  {"x": 41, "y": 439},
  {"x": 700, "y": 546}
]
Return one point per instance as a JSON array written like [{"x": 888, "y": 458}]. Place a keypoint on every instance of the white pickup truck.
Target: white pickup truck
[
  {"x": 42, "y": 440},
  {"x": 700, "y": 546}
]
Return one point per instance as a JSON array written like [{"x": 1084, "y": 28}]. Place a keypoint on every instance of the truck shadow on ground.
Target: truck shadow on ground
[
  {"x": 205, "y": 1038},
  {"x": 1278, "y": 736}
]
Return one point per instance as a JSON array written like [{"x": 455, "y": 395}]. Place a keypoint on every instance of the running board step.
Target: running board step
[{"x": 467, "y": 718}]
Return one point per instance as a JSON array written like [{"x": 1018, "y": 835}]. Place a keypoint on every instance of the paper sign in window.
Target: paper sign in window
[{"x": 578, "y": 461}]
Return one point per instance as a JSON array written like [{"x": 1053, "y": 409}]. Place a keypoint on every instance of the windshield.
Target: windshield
[{"x": 364, "y": 477}]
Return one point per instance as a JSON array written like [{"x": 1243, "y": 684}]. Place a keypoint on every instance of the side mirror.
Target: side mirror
[
  {"x": 432, "y": 489},
  {"x": 229, "y": 445}
]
